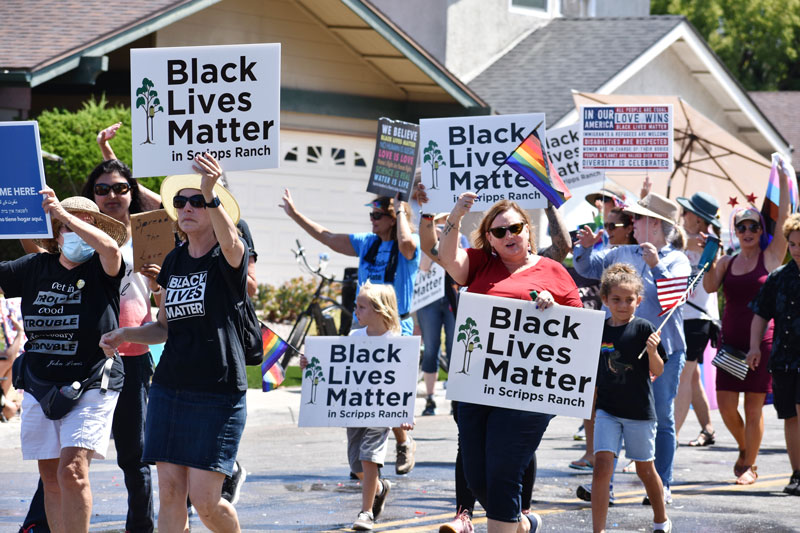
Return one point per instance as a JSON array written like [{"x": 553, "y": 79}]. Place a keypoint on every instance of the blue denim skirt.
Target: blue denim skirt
[{"x": 197, "y": 429}]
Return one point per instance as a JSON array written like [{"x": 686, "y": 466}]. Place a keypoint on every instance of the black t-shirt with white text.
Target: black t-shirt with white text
[
  {"x": 65, "y": 312},
  {"x": 624, "y": 388},
  {"x": 203, "y": 350}
]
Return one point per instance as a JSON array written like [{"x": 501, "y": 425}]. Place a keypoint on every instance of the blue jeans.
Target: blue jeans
[
  {"x": 665, "y": 388},
  {"x": 431, "y": 319},
  {"x": 497, "y": 445},
  {"x": 128, "y": 430}
]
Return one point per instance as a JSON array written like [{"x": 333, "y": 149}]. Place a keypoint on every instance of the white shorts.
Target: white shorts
[{"x": 87, "y": 426}]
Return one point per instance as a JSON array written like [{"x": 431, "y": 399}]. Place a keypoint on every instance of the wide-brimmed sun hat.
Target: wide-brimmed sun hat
[
  {"x": 609, "y": 190},
  {"x": 655, "y": 206},
  {"x": 110, "y": 226},
  {"x": 703, "y": 205},
  {"x": 172, "y": 185}
]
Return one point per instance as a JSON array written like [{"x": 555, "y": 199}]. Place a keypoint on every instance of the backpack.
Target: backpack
[{"x": 250, "y": 331}]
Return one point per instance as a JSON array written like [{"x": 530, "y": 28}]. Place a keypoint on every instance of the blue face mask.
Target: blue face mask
[{"x": 75, "y": 249}]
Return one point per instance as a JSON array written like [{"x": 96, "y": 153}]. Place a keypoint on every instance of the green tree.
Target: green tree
[
  {"x": 758, "y": 40},
  {"x": 147, "y": 99},
  {"x": 433, "y": 156},
  {"x": 315, "y": 373},
  {"x": 468, "y": 334}
]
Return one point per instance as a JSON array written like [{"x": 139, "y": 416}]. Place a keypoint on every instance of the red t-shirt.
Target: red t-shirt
[{"x": 488, "y": 275}]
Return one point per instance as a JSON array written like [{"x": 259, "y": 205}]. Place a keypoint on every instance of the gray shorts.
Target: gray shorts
[{"x": 366, "y": 444}]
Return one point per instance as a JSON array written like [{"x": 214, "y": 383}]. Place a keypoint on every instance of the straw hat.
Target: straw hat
[
  {"x": 703, "y": 205},
  {"x": 112, "y": 227},
  {"x": 172, "y": 185},
  {"x": 609, "y": 190},
  {"x": 656, "y": 206}
]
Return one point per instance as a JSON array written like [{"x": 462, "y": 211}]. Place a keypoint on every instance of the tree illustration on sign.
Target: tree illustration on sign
[
  {"x": 433, "y": 156},
  {"x": 468, "y": 334},
  {"x": 147, "y": 99},
  {"x": 315, "y": 374}
]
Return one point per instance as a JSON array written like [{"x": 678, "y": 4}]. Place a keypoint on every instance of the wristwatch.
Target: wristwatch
[{"x": 214, "y": 203}]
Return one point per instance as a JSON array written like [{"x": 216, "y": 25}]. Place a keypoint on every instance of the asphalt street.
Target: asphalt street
[{"x": 297, "y": 480}]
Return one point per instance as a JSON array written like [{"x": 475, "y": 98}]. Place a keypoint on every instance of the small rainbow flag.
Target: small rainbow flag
[
  {"x": 769, "y": 209},
  {"x": 531, "y": 162},
  {"x": 274, "y": 348},
  {"x": 607, "y": 347}
]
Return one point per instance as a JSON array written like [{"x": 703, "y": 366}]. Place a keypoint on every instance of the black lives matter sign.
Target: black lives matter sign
[
  {"x": 224, "y": 100},
  {"x": 394, "y": 164}
]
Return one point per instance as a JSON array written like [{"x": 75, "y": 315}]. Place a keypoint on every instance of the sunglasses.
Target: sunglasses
[
  {"x": 637, "y": 216},
  {"x": 197, "y": 200},
  {"x": 611, "y": 226},
  {"x": 500, "y": 231},
  {"x": 377, "y": 215},
  {"x": 753, "y": 227},
  {"x": 102, "y": 189}
]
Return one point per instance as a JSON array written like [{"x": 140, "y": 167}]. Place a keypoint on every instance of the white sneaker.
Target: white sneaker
[{"x": 666, "y": 529}]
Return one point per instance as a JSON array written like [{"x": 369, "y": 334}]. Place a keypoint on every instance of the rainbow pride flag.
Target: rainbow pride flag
[
  {"x": 769, "y": 209},
  {"x": 274, "y": 348},
  {"x": 607, "y": 347},
  {"x": 531, "y": 162}
]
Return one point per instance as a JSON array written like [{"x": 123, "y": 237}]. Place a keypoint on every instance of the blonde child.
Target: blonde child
[
  {"x": 625, "y": 405},
  {"x": 376, "y": 309}
]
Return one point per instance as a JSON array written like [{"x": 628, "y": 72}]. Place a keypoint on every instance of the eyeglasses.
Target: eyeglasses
[
  {"x": 197, "y": 200},
  {"x": 500, "y": 231},
  {"x": 610, "y": 226},
  {"x": 102, "y": 189},
  {"x": 377, "y": 215},
  {"x": 753, "y": 227}
]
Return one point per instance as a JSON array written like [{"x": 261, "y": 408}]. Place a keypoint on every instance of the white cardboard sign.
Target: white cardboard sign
[
  {"x": 428, "y": 287},
  {"x": 220, "y": 99},
  {"x": 509, "y": 354},
  {"x": 467, "y": 153},
  {"x": 627, "y": 138},
  {"x": 564, "y": 149},
  {"x": 359, "y": 381}
]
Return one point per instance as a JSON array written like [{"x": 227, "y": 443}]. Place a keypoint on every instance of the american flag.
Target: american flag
[{"x": 671, "y": 292}]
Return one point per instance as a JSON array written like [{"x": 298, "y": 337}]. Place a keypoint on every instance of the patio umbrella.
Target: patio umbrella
[{"x": 707, "y": 158}]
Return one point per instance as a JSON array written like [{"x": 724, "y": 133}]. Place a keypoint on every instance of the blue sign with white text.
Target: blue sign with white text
[{"x": 21, "y": 213}]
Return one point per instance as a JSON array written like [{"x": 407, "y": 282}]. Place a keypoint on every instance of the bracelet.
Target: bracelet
[
  {"x": 427, "y": 216},
  {"x": 400, "y": 211},
  {"x": 157, "y": 291}
]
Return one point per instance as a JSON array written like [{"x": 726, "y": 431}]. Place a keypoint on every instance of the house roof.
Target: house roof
[
  {"x": 568, "y": 53},
  {"x": 775, "y": 105},
  {"x": 32, "y": 53}
]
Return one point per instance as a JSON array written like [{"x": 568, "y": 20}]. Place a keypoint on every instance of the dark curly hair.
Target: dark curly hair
[{"x": 109, "y": 167}]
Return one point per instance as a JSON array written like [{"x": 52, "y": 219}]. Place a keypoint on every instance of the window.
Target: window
[
  {"x": 546, "y": 8},
  {"x": 530, "y": 4},
  {"x": 291, "y": 155}
]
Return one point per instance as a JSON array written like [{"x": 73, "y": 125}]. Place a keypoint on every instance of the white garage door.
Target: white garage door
[{"x": 327, "y": 175}]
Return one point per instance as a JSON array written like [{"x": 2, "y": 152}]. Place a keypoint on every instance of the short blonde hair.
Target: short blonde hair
[
  {"x": 384, "y": 302},
  {"x": 479, "y": 238},
  {"x": 792, "y": 224},
  {"x": 620, "y": 274}
]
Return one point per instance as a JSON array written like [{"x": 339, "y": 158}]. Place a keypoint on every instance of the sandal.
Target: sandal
[
  {"x": 704, "y": 439},
  {"x": 581, "y": 464},
  {"x": 748, "y": 477},
  {"x": 629, "y": 468},
  {"x": 739, "y": 467}
]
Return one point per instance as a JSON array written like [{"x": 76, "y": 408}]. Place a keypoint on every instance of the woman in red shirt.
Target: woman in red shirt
[{"x": 497, "y": 443}]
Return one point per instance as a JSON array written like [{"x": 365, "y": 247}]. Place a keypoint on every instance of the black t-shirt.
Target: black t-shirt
[
  {"x": 65, "y": 312},
  {"x": 203, "y": 351},
  {"x": 248, "y": 238},
  {"x": 623, "y": 380}
]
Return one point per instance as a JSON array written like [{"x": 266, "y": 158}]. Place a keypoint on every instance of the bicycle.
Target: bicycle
[{"x": 320, "y": 309}]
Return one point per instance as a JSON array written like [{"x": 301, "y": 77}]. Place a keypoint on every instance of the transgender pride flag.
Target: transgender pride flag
[
  {"x": 769, "y": 209},
  {"x": 531, "y": 162}
]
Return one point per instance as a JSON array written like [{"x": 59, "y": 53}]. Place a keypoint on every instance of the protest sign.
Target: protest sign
[
  {"x": 221, "y": 99},
  {"x": 428, "y": 287},
  {"x": 395, "y": 159},
  {"x": 21, "y": 213},
  {"x": 359, "y": 381},
  {"x": 564, "y": 149},
  {"x": 468, "y": 153},
  {"x": 627, "y": 138},
  {"x": 153, "y": 238},
  {"x": 510, "y": 354}
]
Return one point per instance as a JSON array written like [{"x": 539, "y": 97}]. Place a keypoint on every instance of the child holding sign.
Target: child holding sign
[
  {"x": 376, "y": 309},
  {"x": 625, "y": 405}
]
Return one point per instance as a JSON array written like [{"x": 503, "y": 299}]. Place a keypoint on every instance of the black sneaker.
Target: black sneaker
[
  {"x": 430, "y": 407},
  {"x": 794, "y": 484},
  {"x": 380, "y": 499},
  {"x": 232, "y": 486},
  {"x": 584, "y": 492}
]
